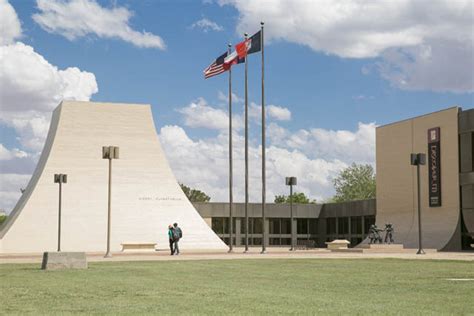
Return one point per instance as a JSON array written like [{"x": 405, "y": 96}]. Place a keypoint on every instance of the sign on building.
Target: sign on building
[{"x": 434, "y": 166}]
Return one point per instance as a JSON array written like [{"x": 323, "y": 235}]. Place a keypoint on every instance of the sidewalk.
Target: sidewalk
[{"x": 254, "y": 253}]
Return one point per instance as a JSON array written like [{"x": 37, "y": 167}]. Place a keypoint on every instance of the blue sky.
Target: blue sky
[{"x": 314, "y": 71}]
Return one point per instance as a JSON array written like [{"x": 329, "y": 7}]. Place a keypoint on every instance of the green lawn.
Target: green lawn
[{"x": 298, "y": 286}]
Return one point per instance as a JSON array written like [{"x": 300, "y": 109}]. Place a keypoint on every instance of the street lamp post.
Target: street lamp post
[
  {"x": 109, "y": 152},
  {"x": 418, "y": 160},
  {"x": 60, "y": 179},
  {"x": 291, "y": 181}
]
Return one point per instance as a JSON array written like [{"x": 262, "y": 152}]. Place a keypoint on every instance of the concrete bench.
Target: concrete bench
[
  {"x": 337, "y": 244},
  {"x": 140, "y": 246}
]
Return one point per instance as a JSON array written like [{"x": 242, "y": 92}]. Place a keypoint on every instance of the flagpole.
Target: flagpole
[
  {"x": 264, "y": 235},
  {"x": 230, "y": 154},
  {"x": 246, "y": 156}
]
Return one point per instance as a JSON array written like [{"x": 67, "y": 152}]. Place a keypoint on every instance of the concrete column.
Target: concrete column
[
  {"x": 295, "y": 229},
  {"x": 267, "y": 229}
]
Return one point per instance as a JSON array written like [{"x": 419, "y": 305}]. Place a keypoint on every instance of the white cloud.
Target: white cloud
[
  {"x": 423, "y": 45},
  {"x": 276, "y": 133},
  {"x": 10, "y": 189},
  {"x": 221, "y": 96},
  {"x": 443, "y": 66},
  {"x": 207, "y": 25},
  {"x": 6, "y": 154},
  {"x": 278, "y": 113},
  {"x": 363, "y": 97},
  {"x": 200, "y": 114},
  {"x": 10, "y": 27},
  {"x": 315, "y": 156},
  {"x": 32, "y": 88},
  {"x": 78, "y": 18},
  {"x": 344, "y": 145},
  {"x": 275, "y": 112}
]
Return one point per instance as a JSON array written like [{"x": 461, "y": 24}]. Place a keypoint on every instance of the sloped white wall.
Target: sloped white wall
[{"x": 145, "y": 194}]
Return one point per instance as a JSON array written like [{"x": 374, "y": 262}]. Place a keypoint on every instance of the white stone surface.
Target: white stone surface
[
  {"x": 145, "y": 194},
  {"x": 337, "y": 244}
]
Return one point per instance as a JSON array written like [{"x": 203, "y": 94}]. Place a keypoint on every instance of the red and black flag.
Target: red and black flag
[
  {"x": 250, "y": 46},
  {"x": 217, "y": 67}
]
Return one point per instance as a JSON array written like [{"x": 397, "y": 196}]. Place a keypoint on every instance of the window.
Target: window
[
  {"x": 343, "y": 223},
  {"x": 274, "y": 225},
  {"x": 286, "y": 241},
  {"x": 285, "y": 226},
  {"x": 331, "y": 225},
  {"x": 355, "y": 242},
  {"x": 225, "y": 223},
  {"x": 274, "y": 241},
  {"x": 257, "y": 227},
  {"x": 302, "y": 226},
  {"x": 356, "y": 225},
  {"x": 218, "y": 225},
  {"x": 313, "y": 226},
  {"x": 368, "y": 221},
  {"x": 257, "y": 241},
  {"x": 242, "y": 225}
]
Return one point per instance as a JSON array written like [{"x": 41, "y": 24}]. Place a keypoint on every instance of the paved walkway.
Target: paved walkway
[{"x": 254, "y": 253}]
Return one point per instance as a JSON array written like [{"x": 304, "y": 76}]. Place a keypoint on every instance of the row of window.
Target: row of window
[
  {"x": 340, "y": 225},
  {"x": 304, "y": 226},
  {"x": 278, "y": 241}
]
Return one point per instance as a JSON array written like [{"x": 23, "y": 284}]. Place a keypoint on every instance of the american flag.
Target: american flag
[{"x": 216, "y": 68}]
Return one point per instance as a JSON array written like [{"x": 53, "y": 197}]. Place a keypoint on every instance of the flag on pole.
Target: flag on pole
[
  {"x": 249, "y": 46},
  {"x": 222, "y": 64},
  {"x": 242, "y": 48},
  {"x": 233, "y": 59},
  {"x": 256, "y": 43},
  {"x": 217, "y": 67}
]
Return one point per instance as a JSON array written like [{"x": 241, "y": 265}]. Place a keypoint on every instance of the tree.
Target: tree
[
  {"x": 300, "y": 198},
  {"x": 356, "y": 182},
  {"x": 195, "y": 195},
  {"x": 3, "y": 218}
]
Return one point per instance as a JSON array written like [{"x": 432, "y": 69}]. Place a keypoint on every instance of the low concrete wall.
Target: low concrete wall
[{"x": 64, "y": 260}]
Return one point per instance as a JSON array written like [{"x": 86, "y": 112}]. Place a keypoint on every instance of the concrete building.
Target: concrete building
[
  {"x": 145, "y": 195},
  {"x": 447, "y": 192},
  {"x": 316, "y": 222},
  {"x": 438, "y": 136}
]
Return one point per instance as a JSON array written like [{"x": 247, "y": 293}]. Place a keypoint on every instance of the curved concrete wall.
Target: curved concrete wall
[
  {"x": 396, "y": 181},
  {"x": 145, "y": 195}
]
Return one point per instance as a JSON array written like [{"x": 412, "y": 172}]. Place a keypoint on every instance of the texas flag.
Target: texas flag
[{"x": 233, "y": 59}]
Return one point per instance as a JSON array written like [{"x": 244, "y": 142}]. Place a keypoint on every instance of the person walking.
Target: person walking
[
  {"x": 178, "y": 233},
  {"x": 171, "y": 238}
]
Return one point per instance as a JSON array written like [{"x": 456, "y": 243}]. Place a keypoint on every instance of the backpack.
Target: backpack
[
  {"x": 175, "y": 234},
  {"x": 180, "y": 232}
]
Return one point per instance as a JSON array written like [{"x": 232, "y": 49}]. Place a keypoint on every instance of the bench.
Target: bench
[
  {"x": 305, "y": 244},
  {"x": 138, "y": 246},
  {"x": 337, "y": 244}
]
